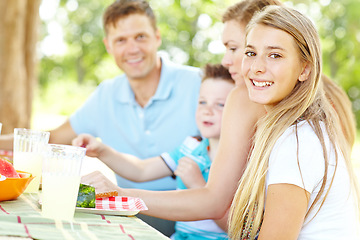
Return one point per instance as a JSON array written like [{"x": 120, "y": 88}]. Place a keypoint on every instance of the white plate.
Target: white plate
[{"x": 106, "y": 212}]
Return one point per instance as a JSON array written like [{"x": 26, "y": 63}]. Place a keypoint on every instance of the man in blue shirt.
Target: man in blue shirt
[
  {"x": 147, "y": 110},
  {"x": 113, "y": 114}
]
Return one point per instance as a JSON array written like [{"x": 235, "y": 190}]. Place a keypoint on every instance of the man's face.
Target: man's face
[{"x": 133, "y": 43}]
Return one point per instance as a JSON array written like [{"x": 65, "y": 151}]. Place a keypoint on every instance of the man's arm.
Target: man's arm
[
  {"x": 6, "y": 142},
  {"x": 63, "y": 134}
]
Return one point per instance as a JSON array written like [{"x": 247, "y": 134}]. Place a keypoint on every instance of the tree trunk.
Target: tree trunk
[{"x": 19, "y": 24}]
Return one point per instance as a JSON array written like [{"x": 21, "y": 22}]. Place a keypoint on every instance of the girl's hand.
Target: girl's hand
[
  {"x": 190, "y": 173},
  {"x": 100, "y": 182}
]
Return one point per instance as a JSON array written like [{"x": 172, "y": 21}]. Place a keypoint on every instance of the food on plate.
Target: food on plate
[
  {"x": 86, "y": 196},
  {"x": 7, "y": 169},
  {"x": 107, "y": 194}
]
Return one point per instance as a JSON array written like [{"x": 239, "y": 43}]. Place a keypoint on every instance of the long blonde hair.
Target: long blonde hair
[
  {"x": 343, "y": 106},
  {"x": 243, "y": 11},
  {"x": 307, "y": 102}
]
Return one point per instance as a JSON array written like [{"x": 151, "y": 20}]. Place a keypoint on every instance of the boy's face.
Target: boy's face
[
  {"x": 213, "y": 93},
  {"x": 133, "y": 42}
]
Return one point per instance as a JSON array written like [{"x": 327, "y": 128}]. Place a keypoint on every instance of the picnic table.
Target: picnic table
[{"x": 21, "y": 219}]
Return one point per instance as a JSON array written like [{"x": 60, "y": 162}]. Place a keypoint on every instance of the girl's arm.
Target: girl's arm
[
  {"x": 285, "y": 210},
  {"x": 223, "y": 222},
  {"x": 213, "y": 200}
]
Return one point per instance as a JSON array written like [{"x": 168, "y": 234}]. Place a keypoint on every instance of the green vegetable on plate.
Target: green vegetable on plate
[{"x": 86, "y": 196}]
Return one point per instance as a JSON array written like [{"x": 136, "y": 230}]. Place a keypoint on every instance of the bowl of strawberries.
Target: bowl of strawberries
[{"x": 12, "y": 182}]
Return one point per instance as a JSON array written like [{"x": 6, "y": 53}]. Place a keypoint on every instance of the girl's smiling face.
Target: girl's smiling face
[
  {"x": 213, "y": 93},
  {"x": 272, "y": 65}
]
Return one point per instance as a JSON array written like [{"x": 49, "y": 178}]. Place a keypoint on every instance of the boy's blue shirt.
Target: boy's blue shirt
[{"x": 196, "y": 149}]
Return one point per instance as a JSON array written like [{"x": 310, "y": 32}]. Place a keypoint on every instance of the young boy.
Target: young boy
[{"x": 190, "y": 162}]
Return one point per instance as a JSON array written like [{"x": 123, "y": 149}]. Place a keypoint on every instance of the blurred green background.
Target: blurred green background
[{"x": 73, "y": 60}]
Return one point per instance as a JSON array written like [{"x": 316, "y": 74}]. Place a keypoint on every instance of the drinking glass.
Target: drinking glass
[
  {"x": 28, "y": 150},
  {"x": 61, "y": 180}
]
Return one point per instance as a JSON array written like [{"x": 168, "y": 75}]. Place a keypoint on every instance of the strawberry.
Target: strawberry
[{"x": 7, "y": 169}]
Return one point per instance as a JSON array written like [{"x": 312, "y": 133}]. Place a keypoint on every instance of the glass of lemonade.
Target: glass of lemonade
[
  {"x": 29, "y": 146},
  {"x": 61, "y": 180}
]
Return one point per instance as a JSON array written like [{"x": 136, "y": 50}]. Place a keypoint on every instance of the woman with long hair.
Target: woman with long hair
[{"x": 299, "y": 182}]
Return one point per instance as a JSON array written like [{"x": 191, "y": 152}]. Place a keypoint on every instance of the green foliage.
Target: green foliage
[
  {"x": 191, "y": 33},
  {"x": 62, "y": 97},
  {"x": 185, "y": 37},
  {"x": 83, "y": 34},
  {"x": 338, "y": 24},
  {"x": 341, "y": 31}
]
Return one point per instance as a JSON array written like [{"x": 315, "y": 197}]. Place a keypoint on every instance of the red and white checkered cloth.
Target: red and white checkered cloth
[
  {"x": 120, "y": 204},
  {"x": 6, "y": 153}
]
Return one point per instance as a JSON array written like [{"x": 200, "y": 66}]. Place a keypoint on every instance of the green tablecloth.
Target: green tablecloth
[{"x": 22, "y": 218}]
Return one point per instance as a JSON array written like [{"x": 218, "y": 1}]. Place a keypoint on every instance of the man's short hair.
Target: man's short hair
[{"x": 123, "y": 8}]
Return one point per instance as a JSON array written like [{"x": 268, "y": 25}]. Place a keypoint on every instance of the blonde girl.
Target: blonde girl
[{"x": 299, "y": 182}]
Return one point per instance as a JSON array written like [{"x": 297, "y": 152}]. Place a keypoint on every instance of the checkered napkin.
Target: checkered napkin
[
  {"x": 6, "y": 153},
  {"x": 120, "y": 204}
]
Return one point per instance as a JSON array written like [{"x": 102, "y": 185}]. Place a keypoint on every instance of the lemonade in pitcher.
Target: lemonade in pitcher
[
  {"x": 29, "y": 146},
  {"x": 30, "y": 162}
]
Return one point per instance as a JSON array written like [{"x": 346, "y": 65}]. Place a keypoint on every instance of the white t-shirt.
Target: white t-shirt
[{"x": 337, "y": 218}]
